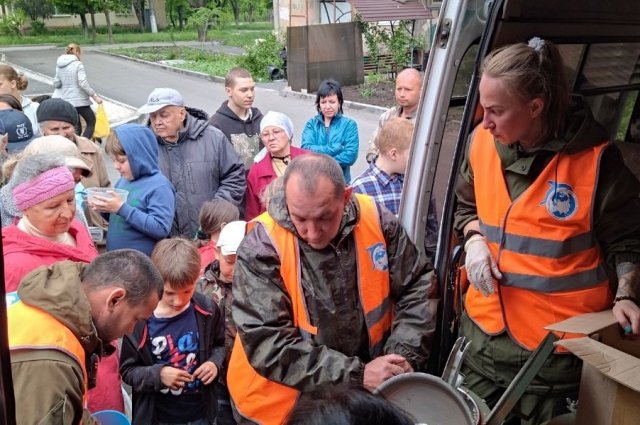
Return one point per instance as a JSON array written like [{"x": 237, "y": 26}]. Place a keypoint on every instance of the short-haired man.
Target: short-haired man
[
  {"x": 408, "y": 85},
  {"x": 61, "y": 322},
  {"x": 329, "y": 293},
  {"x": 384, "y": 179},
  {"x": 237, "y": 118},
  {"x": 195, "y": 156}
]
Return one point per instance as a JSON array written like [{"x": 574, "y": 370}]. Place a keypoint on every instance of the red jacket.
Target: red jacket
[
  {"x": 24, "y": 253},
  {"x": 260, "y": 175}
]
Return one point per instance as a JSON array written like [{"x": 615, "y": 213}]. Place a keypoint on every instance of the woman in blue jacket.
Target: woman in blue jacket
[{"x": 330, "y": 132}]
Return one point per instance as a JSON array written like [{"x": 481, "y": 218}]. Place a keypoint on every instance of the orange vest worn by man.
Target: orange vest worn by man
[
  {"x": 543, "y": 242},
  {"x": 267, "y": 402}
]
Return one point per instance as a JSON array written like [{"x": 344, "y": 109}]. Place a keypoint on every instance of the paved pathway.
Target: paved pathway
[{"x": 126, "y": 85}]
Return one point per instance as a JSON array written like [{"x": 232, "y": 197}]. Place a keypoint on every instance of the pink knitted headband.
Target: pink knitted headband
[{"x": 45, "y": 186}]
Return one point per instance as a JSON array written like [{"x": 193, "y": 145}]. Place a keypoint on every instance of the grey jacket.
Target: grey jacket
[
  {"x": 201, "y": 165},
  {"x": 71, "y": 82},
  {"x": 336, "y": 356}
]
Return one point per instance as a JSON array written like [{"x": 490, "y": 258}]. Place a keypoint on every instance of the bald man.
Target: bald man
[{"x": 408, "y": 85}]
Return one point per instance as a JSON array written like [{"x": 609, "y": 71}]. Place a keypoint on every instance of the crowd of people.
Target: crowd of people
[{"x": 249, "y": 278}]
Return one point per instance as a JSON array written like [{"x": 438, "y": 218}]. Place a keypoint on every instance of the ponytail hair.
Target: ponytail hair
[
  {"x": 9, "y": 73},
  {"x": 533, "y": 70},
  {"x": 73, "y": 49}
]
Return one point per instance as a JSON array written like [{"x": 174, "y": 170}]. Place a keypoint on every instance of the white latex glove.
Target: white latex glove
[{"x": 480, "y": 264}]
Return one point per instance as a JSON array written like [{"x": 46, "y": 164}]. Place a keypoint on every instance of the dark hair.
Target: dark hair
[
  {"x": 11, "y": 101},
  {"x": 352, "y": 407},
  {"x": 178, "y": 261},
  {"x": 533, "y": 70},
  {"x": 213, "y": 215},
  {"x": 41, "y": 98},
  {"x": 128, "y": 269},
  {"x": 310, "y": 167},
  {"x": 328, "y": 88}
]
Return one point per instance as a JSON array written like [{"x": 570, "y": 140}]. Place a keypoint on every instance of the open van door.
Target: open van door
[{"x": 600, "y": 44}]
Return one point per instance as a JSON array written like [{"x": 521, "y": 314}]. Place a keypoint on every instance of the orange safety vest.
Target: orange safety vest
[
  {"x": 269, "y": 403},
  {"x": 31, "y": 328},
  {"x": 543, "y": 241}
]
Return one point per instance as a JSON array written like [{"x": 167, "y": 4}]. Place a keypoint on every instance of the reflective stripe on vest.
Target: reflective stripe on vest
[
  {"x": 543, "y": 242},
  {"x": 269, "y": 403},
  {"x": 31, "y": 328}
]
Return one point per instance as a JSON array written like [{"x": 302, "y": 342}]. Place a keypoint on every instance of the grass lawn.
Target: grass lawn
[
  {"x": 195, "y": 60},
  {"x": 231, "y": 35}
]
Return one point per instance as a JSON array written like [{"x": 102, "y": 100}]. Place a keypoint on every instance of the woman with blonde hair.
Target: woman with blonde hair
[
  {"x": 550, "y": 213},
  {"x": 13, "y": 83},
  {"x": 71, "y": 85}
]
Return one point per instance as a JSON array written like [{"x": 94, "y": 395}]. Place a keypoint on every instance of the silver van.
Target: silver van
[{"x": 600, "y": 44}]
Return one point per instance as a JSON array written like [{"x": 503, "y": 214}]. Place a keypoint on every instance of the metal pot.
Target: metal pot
[{"x": 430, "y": 400}]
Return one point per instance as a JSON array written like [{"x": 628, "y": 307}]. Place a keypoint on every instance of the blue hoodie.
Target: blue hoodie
[{"x": 148, "y": 214}]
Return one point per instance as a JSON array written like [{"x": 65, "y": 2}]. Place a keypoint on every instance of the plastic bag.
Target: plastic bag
[{"x": 102, "y": 123}]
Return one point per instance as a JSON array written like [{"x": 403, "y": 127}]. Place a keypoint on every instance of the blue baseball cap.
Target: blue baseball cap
[{"x": 18, "y": 126}]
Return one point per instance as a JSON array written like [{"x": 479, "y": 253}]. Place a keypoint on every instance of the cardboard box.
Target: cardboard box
[{"x": 610, "y": 383}]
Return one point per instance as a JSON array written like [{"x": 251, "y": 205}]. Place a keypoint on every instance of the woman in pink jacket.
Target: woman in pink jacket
[{"x": 276, "y": 133}]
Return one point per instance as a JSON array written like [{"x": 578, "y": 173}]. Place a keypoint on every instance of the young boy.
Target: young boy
[
  {"x": 384, "y": 178},
  {"x": 216, "y": 284},
  {"x": 172, "y": 359},
  {"x": 147, "y": 215}
]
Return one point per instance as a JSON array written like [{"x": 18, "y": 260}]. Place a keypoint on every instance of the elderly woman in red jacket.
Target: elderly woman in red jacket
[
  {"x": 47, "y": 232},
  {"x": 276, "y": 133}
]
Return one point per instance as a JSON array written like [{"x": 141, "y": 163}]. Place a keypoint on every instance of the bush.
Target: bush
[
  {"x": 13, "y": 23},
  {"x": 262, "y": 53},
  {"x": 38, "y": 28}
]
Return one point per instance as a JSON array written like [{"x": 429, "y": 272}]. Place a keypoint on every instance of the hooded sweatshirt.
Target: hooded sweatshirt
[
  {"x": 148, "y": 214},
  {"x": 29, "y": 107},
  {"x": 71, "y": 81},
  {"x": 244, "y": 135},
  {"x": 52, "y": 377}
]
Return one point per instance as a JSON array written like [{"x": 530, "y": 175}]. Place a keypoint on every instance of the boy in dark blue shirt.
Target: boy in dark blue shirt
[{"x": 172, "y": 359}]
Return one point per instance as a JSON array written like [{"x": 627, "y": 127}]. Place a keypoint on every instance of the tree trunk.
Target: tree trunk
[
  {"x": 85, "y": 26},
  {"x": 138, "y": 7},
  {"x": 181, "y": 17},
  {"x": 93, "y": 26},
  {"x": 202, "y": 33},
  {"x": 109, "y": 29}
]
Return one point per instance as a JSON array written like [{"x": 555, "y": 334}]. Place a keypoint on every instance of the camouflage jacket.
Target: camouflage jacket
[
  {"x": 219, "y": 292},
  {"x": 335, "y": 357}
]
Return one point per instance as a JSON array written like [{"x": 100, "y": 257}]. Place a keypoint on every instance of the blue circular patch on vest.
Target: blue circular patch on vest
[
  {"x": 11, "y": 298},
  {"x": 379, "y": 259},
  {"x": 561, "y": 202}
]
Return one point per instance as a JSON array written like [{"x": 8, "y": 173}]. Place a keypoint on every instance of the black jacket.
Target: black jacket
[{"x": 138, "y": 369}]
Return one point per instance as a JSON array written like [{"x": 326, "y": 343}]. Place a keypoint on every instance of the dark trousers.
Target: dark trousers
[
  {"x": 491, "y": 363},
  {"x": 90, "y": 120}
]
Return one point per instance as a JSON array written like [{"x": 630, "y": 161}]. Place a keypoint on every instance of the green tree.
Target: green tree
[
  {"x": 36, "y": 9},
  {"x": 177, "y": 10},
  {"x": 200, "y": 20}
]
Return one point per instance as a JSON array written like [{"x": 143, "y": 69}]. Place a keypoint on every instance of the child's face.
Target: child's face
[
  {"x": 175, "y": 299},
  {"x": 227, "y": 266},
  {"x": 121, "y": 164},
  {"x": 401, "y": 159}
]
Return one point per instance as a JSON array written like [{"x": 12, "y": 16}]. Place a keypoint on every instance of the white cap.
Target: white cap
[
  {"x": 230, "y": 237},
  {"x": 159, "y": 98}
]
